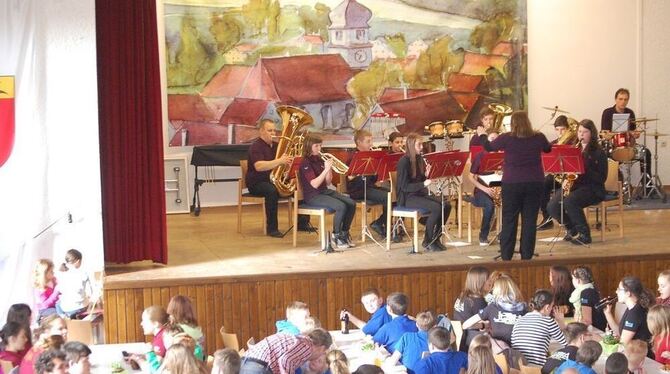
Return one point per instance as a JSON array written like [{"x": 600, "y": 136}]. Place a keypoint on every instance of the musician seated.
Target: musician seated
[
  {"x": 315, "y": 176},
  {"x": 550, "y": 185},
  {"x": 357, "y": 189},
  {"x": 396, "y": 142},
  {"x": 588, "y": 189},
  {"x": 487, "y": 117},
  {"x": 412, "y": 192},
  {"x": 483, "y": 194}
]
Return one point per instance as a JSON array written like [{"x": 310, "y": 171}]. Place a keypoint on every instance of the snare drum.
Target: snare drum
[
  {"x": 621, "y": 140},
  {"x": 455, "y": 129}
]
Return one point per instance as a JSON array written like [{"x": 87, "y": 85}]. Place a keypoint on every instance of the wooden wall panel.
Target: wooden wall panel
[{"x": 250, "y": 306}]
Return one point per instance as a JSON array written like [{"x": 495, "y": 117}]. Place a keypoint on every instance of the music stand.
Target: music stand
[
  {"x": 447, "y": 166},
  {"x": 492, "y": 162},
  {"x": 563, "y": 160},
  {"x": 388, "y": 164},
  {"x": 364, "y": 164}
]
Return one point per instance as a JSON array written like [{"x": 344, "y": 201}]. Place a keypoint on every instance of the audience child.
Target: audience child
[
  {"x": 663, "y": 288},
  {"x": 502, "y": 313},
  {"x": 482, "y": 195},
  {"x": 181, "y": 313},
  {"x": 13, "y": 339},
  {"x": 636, "y": 351},
  {"x": 318, "y": 365},
  {"x": 179, "y": 359},
  {"x": 369, "y": 369},
  {"x": 658, "y": 320},
  {"x": 337, "y": 362},
  {"x": 412, "y": 344},
  {"x": 633, "y": 323},
  {"x": 74, "y": 286},
  {"x": 441, "y": 360},
  {"x": 21, "y": 314},
  {"x": 560, "y": 280},
  {"x": 470, "y": 302},
  {"x": 77, "y": 355},
  {"x": 172, "y": 334},
  {"x": 585, "y": 297},
  {"x": 44, "y": 282},
  {"x": 587, "y": 355},
  {"x": 575, "y": 333},
  {"x": 481, "y": 361},
  {"x": 284, "y": 353},
  {"x": 616, "y": 363},
  {"x": 51, "y": 334},
  {"x": 52, "y": 361},
  {"x": 295, "y": 322},
  {"x": 374, "y": 305},
  {"x": 311, "y": 323},
  {"x": 390, "y": 333},
  {"x": 154, "y": 319},
  {"x": 226, "y": 361},
  {"x": 532, "y": 332},
  {"x": 489, "y": 285},
  {"x": 483, "y": 340}
]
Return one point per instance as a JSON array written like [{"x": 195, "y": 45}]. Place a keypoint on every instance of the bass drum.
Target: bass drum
[{"x": 623, "y": 154}]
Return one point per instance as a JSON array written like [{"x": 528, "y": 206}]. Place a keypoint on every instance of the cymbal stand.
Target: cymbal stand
[
  {"x": 627, "y": 187},
  {"x": 654, "y": 185}
]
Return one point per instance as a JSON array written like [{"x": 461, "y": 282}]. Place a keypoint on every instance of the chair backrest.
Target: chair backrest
[
  {"x": 467, "y": 187},
  {"x": 612, "y": 181},
  {"x": 80, "y": 331},
  {"x": 297, "y": 194},
  {"x": 530, "y": 370},
  {"x": 501, "y": 360},
  {"x": 244, "y": 166},
  {"x": 229, "y": 340},
  {"x": 393, "y": 178},
  {"x": 457, "y": 327}
]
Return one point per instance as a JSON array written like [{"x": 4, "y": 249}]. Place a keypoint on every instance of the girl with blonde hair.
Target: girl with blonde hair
[
  {"x": 658, "y": 320},
  {"x": 481, "y": 361},
  {"x": 46, "y": 293},
  {"x": 337, "y": 362},
  {"x": 179, "y": 359}
]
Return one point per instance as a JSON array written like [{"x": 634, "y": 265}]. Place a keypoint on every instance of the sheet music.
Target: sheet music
[
  {"x": 620, "y": 122},
  {"x": 491, "y": 179}
]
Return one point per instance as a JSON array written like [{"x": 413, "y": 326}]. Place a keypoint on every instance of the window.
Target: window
[{"x": 360, "y": 34}]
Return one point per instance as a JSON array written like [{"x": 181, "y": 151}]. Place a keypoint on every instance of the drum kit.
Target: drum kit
[{"x": 448, "y": 131}]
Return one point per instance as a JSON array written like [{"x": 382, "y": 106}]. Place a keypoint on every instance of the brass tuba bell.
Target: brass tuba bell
[
  {"x": 501, "y": 111},
  {"x": 290, "y": 144}
]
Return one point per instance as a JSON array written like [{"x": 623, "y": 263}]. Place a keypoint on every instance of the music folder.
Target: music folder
[{"x": 620, "y": 122}]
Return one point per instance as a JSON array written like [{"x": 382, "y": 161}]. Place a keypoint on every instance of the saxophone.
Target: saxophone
[
  {"x": 290, "y": 144},
  {"x": 568, "y": 179},
  {"x": 496, "y": 195}
]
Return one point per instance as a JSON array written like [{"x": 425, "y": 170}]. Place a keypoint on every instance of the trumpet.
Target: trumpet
[{"x": 338, "y": 166}]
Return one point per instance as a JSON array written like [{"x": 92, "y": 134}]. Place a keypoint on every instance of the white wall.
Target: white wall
[{"x": 580, "y": 52}]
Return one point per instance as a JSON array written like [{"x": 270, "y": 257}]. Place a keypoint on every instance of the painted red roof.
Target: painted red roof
[
  {"x": 421, "y": 111},
  {"x": 467, "y": 100},
  {"x": 190, "y": 108},
  {"x": 227, "y": 82},
  {"x": 395, "y": 94},
  {"x": 478, "y": 64},
  {"x": 312, "y": 39},
  {"x": 506, "y": 49},
  {"x": 464, "y": 82},
  {"x": 244, "y": 112},
  {"x": 201, "y": 133},
  {"x": 298, "y": 80}
]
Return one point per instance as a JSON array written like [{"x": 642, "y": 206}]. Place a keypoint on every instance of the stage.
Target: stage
[{"x": 243, "y": 281}]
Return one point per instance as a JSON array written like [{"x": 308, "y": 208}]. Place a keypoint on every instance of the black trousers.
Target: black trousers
[
  {"x": 379, "y": 196},
  {"x": 519, "y": 199},
  {"x": 549, "y": 186},
  {"x": 344, "y": 207},
  {"x": 573, "y": 208},
  {"x": 432, "y": 204},
  {"x": 269, "y": 192}
]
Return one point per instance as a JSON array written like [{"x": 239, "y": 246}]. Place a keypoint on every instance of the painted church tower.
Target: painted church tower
[{"x": 350, "y": 33}]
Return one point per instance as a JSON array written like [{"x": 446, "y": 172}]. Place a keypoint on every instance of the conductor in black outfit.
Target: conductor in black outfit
[
  {"x": 588, "y": 189},
  {"x": 522, "y": 182}
]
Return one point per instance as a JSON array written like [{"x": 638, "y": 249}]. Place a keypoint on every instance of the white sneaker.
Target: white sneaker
[{"x": 483, "y": 244}]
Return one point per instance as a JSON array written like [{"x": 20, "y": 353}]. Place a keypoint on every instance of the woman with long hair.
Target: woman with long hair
[
  {"x": 587, "y": 189},
  {"x": 44, "y": 282},
  {"x": 181, "y": 312},
  {"x": 663, "y": 288},
  {"x": 522, "y": 182},
  {"x": 560, "y": 280},
  {"x": 315, "y": 175},
  {"x": 471, "y": 301},
  {"x": 658, "y": 320},
  {"x": 412, "y": 191},
  {"x": 585, "y": 297},
  {"x": 481, "y": 361},
  {"x": 638, "y": 300}
]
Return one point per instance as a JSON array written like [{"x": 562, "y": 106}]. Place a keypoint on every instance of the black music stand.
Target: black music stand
[
  {"x": 447, "y": 166},
  {"x": 563, "y": 160},
  {"x": 364, "y": 164}
]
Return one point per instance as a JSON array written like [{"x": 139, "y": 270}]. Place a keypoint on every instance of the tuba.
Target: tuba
[
  {"x": 290, "y": 144},
  {"x": 501, "y": 111}
]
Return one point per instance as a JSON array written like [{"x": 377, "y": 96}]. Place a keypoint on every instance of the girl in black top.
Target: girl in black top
[
  {"x": 561, "y": 287},
  {"x": 585, "y": 297},
  {"x": 413, "y": 193},
  {"x": 633, "y": 323},
  {"x": 588, "y": 189},
  {"x": 470, "y": 302}
]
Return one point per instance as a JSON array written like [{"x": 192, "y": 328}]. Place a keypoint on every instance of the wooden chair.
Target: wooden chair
[
  {"x": 229, "y": 340},
  {"x": 361, "y": 206},
  {"x": 401, "y": 212},
  {"x": 303, "y": 208},
  {"x": 612, "y": 184},
  {"x": 501, "y": 360},
  {"x": 530, "y": 370},
  {"x": 246, "y": 197},
  {"x": 468, "y": 188},
  {"x": 457, "y": 327}
]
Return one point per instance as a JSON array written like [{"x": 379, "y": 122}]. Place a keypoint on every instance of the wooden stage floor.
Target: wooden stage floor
[{"x": 208, "y": 247}]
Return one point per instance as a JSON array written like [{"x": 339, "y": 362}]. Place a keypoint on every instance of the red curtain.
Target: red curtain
[{"x": 131, "y": 134}]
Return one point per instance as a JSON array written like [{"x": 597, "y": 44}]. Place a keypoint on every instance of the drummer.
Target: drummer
[{"x": 486, "y": 116}]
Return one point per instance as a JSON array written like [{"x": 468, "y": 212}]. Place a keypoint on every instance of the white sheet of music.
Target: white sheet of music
[
  {"x": 494, "y": 178},
  {"x": 620, "y": 122}
]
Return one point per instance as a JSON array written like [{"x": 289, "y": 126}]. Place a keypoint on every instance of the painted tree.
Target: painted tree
[
  {"x": 256, "y": 14},
  {"x": 226, "y": 30},
  {"x": 315, "y": 19},
  {"x": 501, "y": 27},
  {"x": 367, "y": 86},
  {"x": 436, "y": 63},
  {"x": 397, "y": 44},
  {"x": 191, "y": 55}
]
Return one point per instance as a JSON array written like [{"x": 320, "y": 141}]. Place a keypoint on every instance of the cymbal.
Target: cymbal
[
  {"x": 555, "y": 109},
  {"x": 655, "y": 134},
  {"x": 644, "y": 120}
]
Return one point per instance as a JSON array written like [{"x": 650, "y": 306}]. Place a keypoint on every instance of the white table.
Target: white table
[
  {"x": 104, "y": 355},
  {"x": 350, "y": 345}
]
